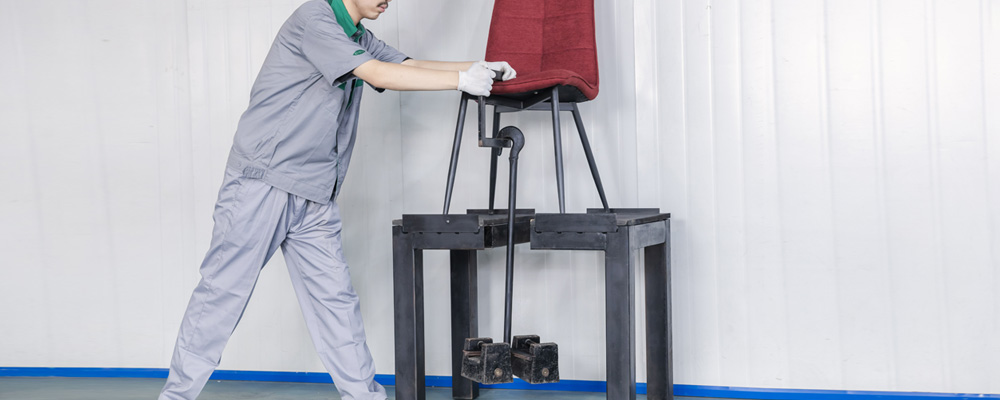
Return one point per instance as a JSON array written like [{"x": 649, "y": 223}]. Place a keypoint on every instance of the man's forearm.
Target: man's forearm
[
  {"x": 440, "y": 65},
  {"x": 407, "y": 76}
]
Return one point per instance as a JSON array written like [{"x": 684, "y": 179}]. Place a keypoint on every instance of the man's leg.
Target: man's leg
[
  {"x": 249, "y": 219},
  {"x": 329, "y": 304}
]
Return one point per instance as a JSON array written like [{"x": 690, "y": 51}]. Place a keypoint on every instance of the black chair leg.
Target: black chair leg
[
  {"x": 493, "y": 160},
  {"x": 455, "y": 147},
  {"x": 590, "y": 156},
  {"x": 557, "y": 144}
]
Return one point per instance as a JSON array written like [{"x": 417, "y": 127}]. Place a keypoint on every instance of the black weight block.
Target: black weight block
[
  {"x": 534, "y": 362},
  {"x": 486, "y": 362},
  {"x": 523, "y": 342}
]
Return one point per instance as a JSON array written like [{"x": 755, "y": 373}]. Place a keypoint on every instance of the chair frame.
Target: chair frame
[{"x": 544, "y": 100}]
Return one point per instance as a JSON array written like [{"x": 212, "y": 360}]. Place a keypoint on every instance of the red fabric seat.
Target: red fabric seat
[{"x": 549, "y": 43}]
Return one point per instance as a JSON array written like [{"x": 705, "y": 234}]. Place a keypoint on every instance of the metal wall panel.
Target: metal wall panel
[
  {"x": 834, "y": 197},
  {"x": 95, "y": 176}
]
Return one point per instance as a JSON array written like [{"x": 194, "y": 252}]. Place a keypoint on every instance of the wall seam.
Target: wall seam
[
  {"x": 713, "y": 137},
  {"x": 985, "y": 11},
  {"x": 882, "y": 180},
  {"x": 743, "y": 178},
  {"x": 937, "y": 223},
  {"x": 823, "y": 64},
  {"x": 777, "y": 163}
]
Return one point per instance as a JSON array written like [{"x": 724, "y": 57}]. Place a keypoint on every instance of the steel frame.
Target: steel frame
[
  {"x": 623, "y": 235},
  {"x": 545, "y": 100}
]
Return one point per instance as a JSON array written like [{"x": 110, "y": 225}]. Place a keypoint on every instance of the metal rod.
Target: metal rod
[
  {"x": 590, "y": 156},
  {"x": 455, "y": 147},
  {"x": 509, "y": 291},
  {"x": 557, "y": 144},
  {"x": 493, "y": 160},
  {"x": 517, "y": 142},
  {"x": 481, "y": 106}
]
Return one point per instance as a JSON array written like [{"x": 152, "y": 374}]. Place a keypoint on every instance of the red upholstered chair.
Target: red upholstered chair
[{"x": 551, "y": 45}]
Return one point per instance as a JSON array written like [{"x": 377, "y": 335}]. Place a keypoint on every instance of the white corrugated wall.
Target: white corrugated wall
[{"x": 832, "y": 167}]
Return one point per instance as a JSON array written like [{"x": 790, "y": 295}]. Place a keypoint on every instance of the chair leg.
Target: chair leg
[
  {"x": 590, "y": 156},
  {"x": 455, "y": 147},
  {"x": 557, "y": 144},
  {"x": 493, "y": 160}
]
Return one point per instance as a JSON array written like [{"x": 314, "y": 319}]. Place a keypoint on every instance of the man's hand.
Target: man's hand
[
  {"x": 503, "y": 67},
  {"x": 477, "y": 81}
]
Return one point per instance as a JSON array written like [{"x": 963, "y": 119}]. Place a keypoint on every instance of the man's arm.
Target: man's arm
[
  {"x": 476, "y": 80},
  {"x": 440, "y": 65},
  {"x": 409, "y": 75},
  {"x": 506, "y": 71},
  {"x": 473, "y": 77}
]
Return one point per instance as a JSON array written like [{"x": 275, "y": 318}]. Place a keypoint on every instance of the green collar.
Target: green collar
[{"x": 344, "y": 19}]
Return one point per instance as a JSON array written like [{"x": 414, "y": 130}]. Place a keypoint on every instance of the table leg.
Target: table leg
[
  {"x": 619, "y": 266},
  {"x": 659, "y": 352},
  {"x": 464, "y": 318},
  {"x": 408, "y": 301}
]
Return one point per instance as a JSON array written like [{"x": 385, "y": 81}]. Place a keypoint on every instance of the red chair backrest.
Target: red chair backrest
[{"x": 545, "y": 35}]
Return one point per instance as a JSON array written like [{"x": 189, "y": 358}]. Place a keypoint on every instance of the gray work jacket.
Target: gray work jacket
[{"x": 298, "y": 132}]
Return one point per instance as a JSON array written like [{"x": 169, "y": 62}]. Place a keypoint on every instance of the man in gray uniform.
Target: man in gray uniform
[{"x": 287, "y": 164}]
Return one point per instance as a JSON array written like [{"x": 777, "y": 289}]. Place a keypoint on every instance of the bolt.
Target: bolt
[
  {"x": 498, "y": 372},
  {"x": 545, "y": 372}
]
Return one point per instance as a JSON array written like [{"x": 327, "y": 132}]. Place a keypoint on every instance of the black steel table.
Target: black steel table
[
  {"x": 621, "y": 234},
  {"x": 463, "y": 234}
]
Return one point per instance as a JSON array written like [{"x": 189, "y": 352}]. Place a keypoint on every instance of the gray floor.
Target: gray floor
[{"x": 135, "y": 388}]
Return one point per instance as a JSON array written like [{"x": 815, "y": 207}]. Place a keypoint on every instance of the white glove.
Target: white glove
[
  {"x": 477, "y": 81},
  {"x": 503, "y": 67}
]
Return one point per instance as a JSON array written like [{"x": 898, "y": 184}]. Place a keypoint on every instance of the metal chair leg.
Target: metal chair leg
[
  {"x": 557, "y": 144},
  {"x": 590, "y": 156},
  {"x": 455, "y": 147},
  {"x": 493, "y": 160}
]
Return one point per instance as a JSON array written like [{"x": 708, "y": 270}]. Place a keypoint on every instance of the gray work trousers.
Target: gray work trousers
[{"x": 252, "y": 219}]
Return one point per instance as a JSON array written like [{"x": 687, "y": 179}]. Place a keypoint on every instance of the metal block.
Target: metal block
[
  {"x": 568, "y": 241},
  {"x": 533, "y": 361},
  {"x": 448, "y": 241},
  {"x": 496, "y": 236},
  {"x": 593, "y": 223},
  {"x": 632, "y": 216},
  {"x": 486, "y": 362},
  {"x": 648, "y": 211},
  {"x": 436, "y": 223},
  {"x": 502, "y": 212}
]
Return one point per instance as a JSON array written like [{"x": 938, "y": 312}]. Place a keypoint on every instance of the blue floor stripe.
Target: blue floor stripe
[{"x": 564, "y": 385}]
